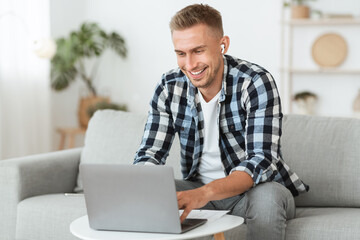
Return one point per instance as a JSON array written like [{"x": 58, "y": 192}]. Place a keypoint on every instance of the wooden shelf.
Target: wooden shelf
[
  {"x": 323, "y": 21},
  {"x": 321, "y": 71}
]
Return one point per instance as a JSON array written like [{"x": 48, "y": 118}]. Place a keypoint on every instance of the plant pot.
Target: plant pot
[
  {"x": 84, "y": 105},
  {"x": 306, "y": 105},
  {"x": 300, "y": 11}
]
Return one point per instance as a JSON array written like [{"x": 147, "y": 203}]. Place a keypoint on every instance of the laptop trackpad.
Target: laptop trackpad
[{"x": 191, "y": 223}]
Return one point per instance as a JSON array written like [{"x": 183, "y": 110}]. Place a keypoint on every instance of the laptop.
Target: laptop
[{"x": 135, "y": 198}]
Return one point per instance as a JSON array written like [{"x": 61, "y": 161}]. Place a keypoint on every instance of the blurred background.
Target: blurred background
[{"x": 314, "y": 56}]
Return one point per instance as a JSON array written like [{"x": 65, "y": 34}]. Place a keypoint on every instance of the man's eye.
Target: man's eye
[
  {"x": 180, "y": 54},
  {"x": 198, "y": 51}
]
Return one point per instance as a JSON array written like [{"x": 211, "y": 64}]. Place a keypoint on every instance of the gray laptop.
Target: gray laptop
[{"x": 133, "y": 198}]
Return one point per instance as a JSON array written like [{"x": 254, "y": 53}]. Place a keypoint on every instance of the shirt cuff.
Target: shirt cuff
[
  {"x": 148, "y": 161},
  {"x": 149, "y": 164},
  {"x": 258, "y": 175}
]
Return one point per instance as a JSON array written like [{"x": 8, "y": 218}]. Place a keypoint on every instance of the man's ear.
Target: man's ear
[{"x": 225, "y": 42}]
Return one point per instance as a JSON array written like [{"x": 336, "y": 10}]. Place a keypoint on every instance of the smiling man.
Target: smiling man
[{"x": 227, "y": 114}]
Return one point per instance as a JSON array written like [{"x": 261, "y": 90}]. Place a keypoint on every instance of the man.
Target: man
[{"x": 228, "y": 116}]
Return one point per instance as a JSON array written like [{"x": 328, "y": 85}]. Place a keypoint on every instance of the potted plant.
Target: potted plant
[
  {"x": 299, "y": 9},
  {"x": 89, "y": 42}
]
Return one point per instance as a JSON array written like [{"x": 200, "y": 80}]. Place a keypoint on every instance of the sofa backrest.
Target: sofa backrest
[
  {"x": 114, "y": 137},
  {"x": 325, "y": 153}
]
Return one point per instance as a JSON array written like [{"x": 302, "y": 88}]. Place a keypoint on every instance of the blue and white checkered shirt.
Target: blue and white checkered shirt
[{"x": 249, "y": 122}]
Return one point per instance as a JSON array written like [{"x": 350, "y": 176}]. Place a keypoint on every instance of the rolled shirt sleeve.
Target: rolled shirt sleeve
[{"x": 261, "y": 101}]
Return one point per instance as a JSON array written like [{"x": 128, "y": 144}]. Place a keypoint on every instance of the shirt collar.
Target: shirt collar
[{"x": 223, "y": 88}]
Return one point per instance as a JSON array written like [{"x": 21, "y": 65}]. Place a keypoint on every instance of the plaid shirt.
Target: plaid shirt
[{"x": 249, "y": 121}]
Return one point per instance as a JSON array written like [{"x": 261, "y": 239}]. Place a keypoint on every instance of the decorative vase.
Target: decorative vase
[
  {"x": 300, "y": 11},
  {"x": 84, "y": 104},
  {"x": 356, "y": 104}
]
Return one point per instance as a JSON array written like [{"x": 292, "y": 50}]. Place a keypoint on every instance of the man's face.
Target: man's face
[{"x": 199, "y": 55}]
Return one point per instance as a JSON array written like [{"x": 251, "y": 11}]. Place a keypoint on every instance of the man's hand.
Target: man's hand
[
  {"x": 191, "y": 199},
  {"x": 236, "y": 183}
]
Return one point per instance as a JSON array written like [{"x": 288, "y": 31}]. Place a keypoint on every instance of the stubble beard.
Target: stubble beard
[{"x": 207, "y": 81}]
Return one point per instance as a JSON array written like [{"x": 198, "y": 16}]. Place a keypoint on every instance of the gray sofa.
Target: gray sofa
[{"x": 324, "y": 151}]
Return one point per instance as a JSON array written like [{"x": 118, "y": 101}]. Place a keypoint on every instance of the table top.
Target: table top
[{"x": 80, "y": 228}]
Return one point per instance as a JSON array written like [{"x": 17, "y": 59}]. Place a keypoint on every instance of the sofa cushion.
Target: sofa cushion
[
  {"x": 48, "y": 216},
  {"x": 324, "y": 224},
  {"x": 114, "y": 137},
  {"x": 325, "y": 153}
]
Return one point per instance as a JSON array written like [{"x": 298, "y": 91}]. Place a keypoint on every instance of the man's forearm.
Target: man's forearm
[{"x": 236, "y": 183}]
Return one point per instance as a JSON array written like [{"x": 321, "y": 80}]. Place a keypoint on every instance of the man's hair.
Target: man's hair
[{"x": 197, "y": 14}]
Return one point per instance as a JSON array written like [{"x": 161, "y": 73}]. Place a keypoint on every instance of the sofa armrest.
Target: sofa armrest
[{"x": 24, "y": 177}]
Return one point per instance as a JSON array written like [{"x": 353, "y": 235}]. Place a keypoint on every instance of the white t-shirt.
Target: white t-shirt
[{"x": 210, "y": 167}]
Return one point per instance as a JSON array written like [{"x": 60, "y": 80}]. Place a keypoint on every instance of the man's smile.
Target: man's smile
[{"x": 197, "y": 74}]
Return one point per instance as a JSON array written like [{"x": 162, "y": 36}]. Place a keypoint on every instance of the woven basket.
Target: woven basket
[{"x": 84, "y": 105}]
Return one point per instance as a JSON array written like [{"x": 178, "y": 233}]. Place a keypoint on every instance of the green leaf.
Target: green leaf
[
  {"x": 89, "y": 41},
  {"x": 60, "y": 79},
  {"x": 117, "y": 43}
]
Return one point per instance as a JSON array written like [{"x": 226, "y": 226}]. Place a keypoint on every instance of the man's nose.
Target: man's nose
[{"x": 190, "y": 63}]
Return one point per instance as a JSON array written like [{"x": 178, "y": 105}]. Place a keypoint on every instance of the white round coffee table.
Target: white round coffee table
[{"x": 80, "y": 228}]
